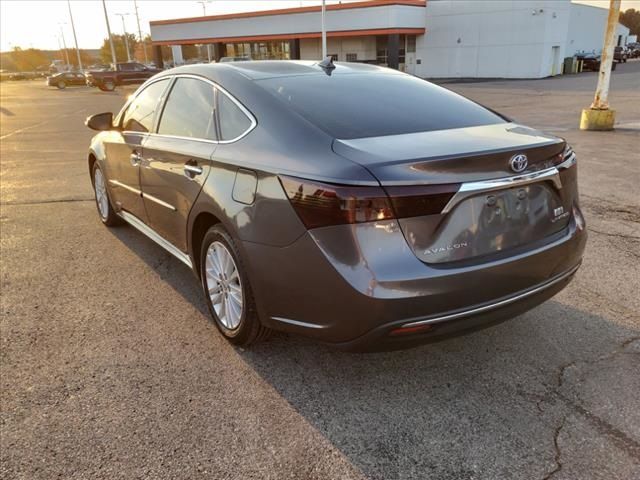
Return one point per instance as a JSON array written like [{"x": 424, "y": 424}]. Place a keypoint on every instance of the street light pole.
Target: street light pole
[
  {"x": 144, "y": 44},
  {"x": 324, "y": 33},
  {"x": 64, "y": 43},
  {"x": 106, "y": 19},
  {"x": 75, "y": 38},
  {"x": 599, "y": 116},
  {"x": 204, "y": 14},
  {"x": 124, "y": 31}
]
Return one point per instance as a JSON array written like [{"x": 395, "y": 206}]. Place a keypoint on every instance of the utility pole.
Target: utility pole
[
  {"x": 599, "y": 116},
  {"x": 204, "y": 14},
  {"x": 75, "y": 38},
  {"x": 60, "y": 48},
  {"x": 113, "y": 50},
  {"x": 124, "y": 31},
  {"x": 144, "y": 44},
  {"x": 64, "y": 43},
  {"x": 324, "y": 33}
]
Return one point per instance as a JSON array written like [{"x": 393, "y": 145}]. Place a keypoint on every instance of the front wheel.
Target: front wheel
[
  {"x": 109, "y": 85},
  {"x": 105, "y": 210},
  {"x": 227, "y": 289},
  {"x": 61, "y": 85}
]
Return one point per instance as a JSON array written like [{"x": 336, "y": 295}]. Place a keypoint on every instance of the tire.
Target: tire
[
  {"x": 237, "y": 319},
  {"x": 106, "y": 212},
  {"x": 109, "y": 86},
  {"x": 61, "y": 85}
]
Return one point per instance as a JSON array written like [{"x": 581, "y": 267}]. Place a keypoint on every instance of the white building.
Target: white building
[{"x": 433, "y": 39}]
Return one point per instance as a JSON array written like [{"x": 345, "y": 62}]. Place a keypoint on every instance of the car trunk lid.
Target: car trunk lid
[{"x": 483, "y": 207}]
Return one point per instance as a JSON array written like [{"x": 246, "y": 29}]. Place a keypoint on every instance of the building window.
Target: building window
[
  {"x": 334, "y": 56},
  {"x": 352, "y": 57},
  {"x": 382, "y": 52},
  {"x": 275, "y": 50},
  {"x": 411, "y": 44}
]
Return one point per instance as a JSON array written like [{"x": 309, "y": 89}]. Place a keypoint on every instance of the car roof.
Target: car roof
[{"x": 262, "y": 69}]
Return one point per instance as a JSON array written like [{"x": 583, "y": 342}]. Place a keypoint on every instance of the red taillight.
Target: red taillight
[
  {"x": 418, "y": 200},
  {"x": 321, "y": 204}
]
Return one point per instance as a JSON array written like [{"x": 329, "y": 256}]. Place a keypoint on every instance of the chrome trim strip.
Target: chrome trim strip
[
  {"x": 298, "y": 323},
  {"x": 158, "y": 201},
  {"x": 495, "y": 305},
  {"x": 178, "y": 137},
  {"x": 143, "y": 228},
  {"x": 470, "y": 189},
  {"x": 244, "y": 110},
  {"x": 568, "y": 162},
  {"x": 125, "y": 186}
]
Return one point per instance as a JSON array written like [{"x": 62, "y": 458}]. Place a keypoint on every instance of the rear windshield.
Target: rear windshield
[{"x": 371, "y": 105}]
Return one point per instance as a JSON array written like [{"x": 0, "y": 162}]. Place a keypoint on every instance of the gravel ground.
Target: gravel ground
[{"x": 111, "y": 368}]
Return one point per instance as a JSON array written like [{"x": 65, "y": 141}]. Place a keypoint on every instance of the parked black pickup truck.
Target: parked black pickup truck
[{"x": 125, "y": 73}]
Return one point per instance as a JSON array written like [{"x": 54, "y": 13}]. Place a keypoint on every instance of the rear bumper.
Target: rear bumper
[
  {"x": 351, "y": 286},
  {"x": 390, "y": 336}
]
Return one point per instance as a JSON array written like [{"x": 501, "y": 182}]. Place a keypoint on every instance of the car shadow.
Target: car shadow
[
  {"x": 7, "y": 112},
  {"x": 480, "y": 405}
]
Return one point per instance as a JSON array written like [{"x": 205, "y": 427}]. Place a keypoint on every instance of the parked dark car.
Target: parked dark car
[
  {"x": 125, "y": 73},
  {"x": 354, "y": 204},
  {"x": 18, "y": 76},
  {"x": 590, "y": 61},
  {"x": 620, "y": 54},
  {"x": 65, "y": 79}
]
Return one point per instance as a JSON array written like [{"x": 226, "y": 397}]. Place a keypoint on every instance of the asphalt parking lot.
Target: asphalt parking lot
[{"x": 111, "y": 368}]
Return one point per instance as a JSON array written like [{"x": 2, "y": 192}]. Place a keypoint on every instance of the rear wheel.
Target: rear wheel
[
  {"x": 227, "y": 289},
  {"x": 105, "y": 210},
  {"x": 61, "y": 84}
]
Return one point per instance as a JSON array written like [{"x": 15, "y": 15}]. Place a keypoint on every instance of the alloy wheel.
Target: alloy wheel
[
  {"x": 224, "y": 285},
  {"x": 101, "y": 194}
]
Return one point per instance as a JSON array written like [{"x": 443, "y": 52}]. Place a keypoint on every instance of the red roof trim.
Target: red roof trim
[
  {"x": 291, "y": 36},
  {"x": 287, "y": 11}
]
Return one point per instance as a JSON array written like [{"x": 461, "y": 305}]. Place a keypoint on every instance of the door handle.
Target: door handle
[
  {"x": 192, "y": 170},
  {"x": 135, "y": 159}
]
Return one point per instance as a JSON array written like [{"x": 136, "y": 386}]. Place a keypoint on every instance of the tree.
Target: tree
[
  {"x": 119, "y": 46},
  {"x": 631, "y": 19},
  {"x": 86, "y": 57},
  {"x": 167, "y": 56},
  {"x": 29, "y": 59}
]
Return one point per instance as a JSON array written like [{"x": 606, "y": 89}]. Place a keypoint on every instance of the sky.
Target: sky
[{"x": 41, "y": 24}]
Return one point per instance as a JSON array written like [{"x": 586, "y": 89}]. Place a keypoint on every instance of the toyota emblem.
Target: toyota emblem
[{"x": 518, "y": 162}]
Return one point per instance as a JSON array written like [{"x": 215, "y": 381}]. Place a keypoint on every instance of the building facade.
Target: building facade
[{"x": 431, "y": 39}]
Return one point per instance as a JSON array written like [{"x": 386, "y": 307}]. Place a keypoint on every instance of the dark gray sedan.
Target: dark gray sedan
[{"x": 350, "y": 203}]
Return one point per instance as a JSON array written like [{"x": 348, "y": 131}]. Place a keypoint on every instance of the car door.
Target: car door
[
  {"x": 177, "y": 158},
  {"x": 124, "y": 148}
]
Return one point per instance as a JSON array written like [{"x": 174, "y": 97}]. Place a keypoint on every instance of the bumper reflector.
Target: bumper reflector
[{"x": 408, "y": 330}]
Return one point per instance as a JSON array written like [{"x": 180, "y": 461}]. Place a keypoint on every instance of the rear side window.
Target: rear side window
[
  {"x": 371, "y": 105},
  {"x": 189, "y": 110},
  {"x": 140, "y": 113},
  {"x": 233, "y": 121}
]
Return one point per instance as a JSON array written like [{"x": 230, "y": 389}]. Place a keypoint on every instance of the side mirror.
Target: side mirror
[{"x": 100, "y": 121}]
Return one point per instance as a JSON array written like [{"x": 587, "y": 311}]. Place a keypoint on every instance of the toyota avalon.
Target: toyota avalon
[{"x": 347, "y": 202}]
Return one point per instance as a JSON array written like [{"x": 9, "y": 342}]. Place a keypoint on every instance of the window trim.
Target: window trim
[
  {"x": 165, "y": 98},
  {"x": 121, "y": 114},
  {"x": 217, "y": 90}
]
